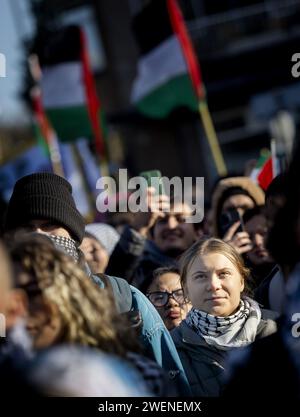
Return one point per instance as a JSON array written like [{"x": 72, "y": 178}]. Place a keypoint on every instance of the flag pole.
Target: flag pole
[
  {"x": 79, "y": 165},
  {"x": 48, "y": 133},
  {"x": 94, "y": 108},
  {"x": 212, "y": 138},
  {"x": 274, "y": 158},
  {"x": 181, "y": 32}
]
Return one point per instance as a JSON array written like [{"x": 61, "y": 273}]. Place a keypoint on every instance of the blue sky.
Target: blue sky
[{"x": 13, "y": 27}]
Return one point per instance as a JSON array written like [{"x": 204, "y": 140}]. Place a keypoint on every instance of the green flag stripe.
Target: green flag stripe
[{"x": 161, "y": 101}]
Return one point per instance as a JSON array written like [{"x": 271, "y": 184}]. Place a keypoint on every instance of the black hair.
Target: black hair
[
  {"x": 165, "y": 270},
  {"x": 229, "y": 192},
  {"x": 284, "y": 240},
  {"x": 174, "y": 268},
  {"x": 277, "y": 186}
]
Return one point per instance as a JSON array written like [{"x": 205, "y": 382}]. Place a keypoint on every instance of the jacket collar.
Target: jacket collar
[{"x": 188, "y": 335}]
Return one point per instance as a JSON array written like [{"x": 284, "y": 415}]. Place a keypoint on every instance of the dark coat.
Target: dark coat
[
  {"x": 205, "y": 364},
  {"x": 268, "y": 375},
  {"x": 135, "y": 258}
]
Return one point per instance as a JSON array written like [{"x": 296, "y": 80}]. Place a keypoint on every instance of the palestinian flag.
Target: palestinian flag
[
  {"x": 68, "y": 91},
  {"x": 266, "y": 174},
  {"x": 162, "y": 81},
  {"x": 263, "y": 173}
]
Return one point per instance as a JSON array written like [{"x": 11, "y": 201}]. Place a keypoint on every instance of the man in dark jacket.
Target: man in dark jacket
[{"x": 155, "y": 239}]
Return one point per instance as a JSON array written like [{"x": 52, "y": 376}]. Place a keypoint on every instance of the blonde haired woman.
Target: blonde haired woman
[
  {"x": 223, "y": 318},
  {"x": 66, "y": 308},
  {"x": 64, "y": 305}
]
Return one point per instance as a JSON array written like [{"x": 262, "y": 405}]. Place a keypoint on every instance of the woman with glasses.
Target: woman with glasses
[
  {"x": 166, "y": 294},
  {"x": 223, "y": 317}
]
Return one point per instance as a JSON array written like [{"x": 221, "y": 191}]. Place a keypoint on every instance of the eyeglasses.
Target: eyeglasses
[{"x": 161, "y": 298}]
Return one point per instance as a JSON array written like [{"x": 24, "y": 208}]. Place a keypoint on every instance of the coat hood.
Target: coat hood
[{"x": 245, "y": 183}]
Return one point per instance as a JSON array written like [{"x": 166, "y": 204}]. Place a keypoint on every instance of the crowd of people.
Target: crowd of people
[{"x": 159, "y": 307}]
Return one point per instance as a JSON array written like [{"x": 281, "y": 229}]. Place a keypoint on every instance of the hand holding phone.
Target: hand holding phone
[
  {"x": 228, "y": 219},
  {"x": 158, "y": 203},
  {"x": 232, "y": 225}
]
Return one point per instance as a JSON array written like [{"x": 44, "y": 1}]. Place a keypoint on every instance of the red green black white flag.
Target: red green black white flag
[
  {"x": 68, "y": 91},
  {"x": 163, "y": 81}
]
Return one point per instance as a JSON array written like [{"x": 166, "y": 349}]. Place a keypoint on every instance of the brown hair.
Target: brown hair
[
  {"x": 87, "y": 312},
  {"x": 212, "y": 245}
]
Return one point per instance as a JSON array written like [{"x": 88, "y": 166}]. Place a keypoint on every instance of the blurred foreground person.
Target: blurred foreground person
[
  {"x": 271, "y": 291},
  {"x": 15, "y": 345},
  {"x": 12, "y": 301},
  {"x": 275, "y": 197},
  {"x": 64, "y": 307},
  {"x": 74, "y": 371},
  {"x": 43, "y": 203},
  {"x": 270, "y": 370},
  {"x": 166, "y": 294},
  {"x": 62, "y": 371},
  {"x": 222, "y": 319}
]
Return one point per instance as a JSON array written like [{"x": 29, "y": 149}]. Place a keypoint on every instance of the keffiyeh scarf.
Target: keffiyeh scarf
[
  {"x": 237, "y": 330},
  {"x": 67, "y": 245}
]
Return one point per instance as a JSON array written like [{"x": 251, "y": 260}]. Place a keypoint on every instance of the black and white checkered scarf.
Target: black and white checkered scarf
[
  {"x": 236, "y": 330},
  {"x": 66, "y": 244}
]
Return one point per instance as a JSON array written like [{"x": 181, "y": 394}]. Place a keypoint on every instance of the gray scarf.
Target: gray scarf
[{"x": 237, "y": 330}]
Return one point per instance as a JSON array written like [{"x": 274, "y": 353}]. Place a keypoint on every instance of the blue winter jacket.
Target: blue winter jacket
[{"x": 156, "y": 338}]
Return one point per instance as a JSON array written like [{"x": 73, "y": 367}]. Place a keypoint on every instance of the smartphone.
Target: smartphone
[
  {"x": 228, "y": 218},
  {"x": 153, "y": 178}
]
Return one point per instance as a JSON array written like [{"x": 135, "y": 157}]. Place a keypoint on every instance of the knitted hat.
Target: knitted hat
[
  {"x": 105, "y": 234},
  {"x": 44, "y": 196}
]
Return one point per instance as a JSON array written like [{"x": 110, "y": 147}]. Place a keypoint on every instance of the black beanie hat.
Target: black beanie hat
[{"x": 44, "y": 196}]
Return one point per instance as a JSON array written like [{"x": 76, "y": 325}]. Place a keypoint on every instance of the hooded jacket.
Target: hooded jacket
[{"x": 245, "y": 183}]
